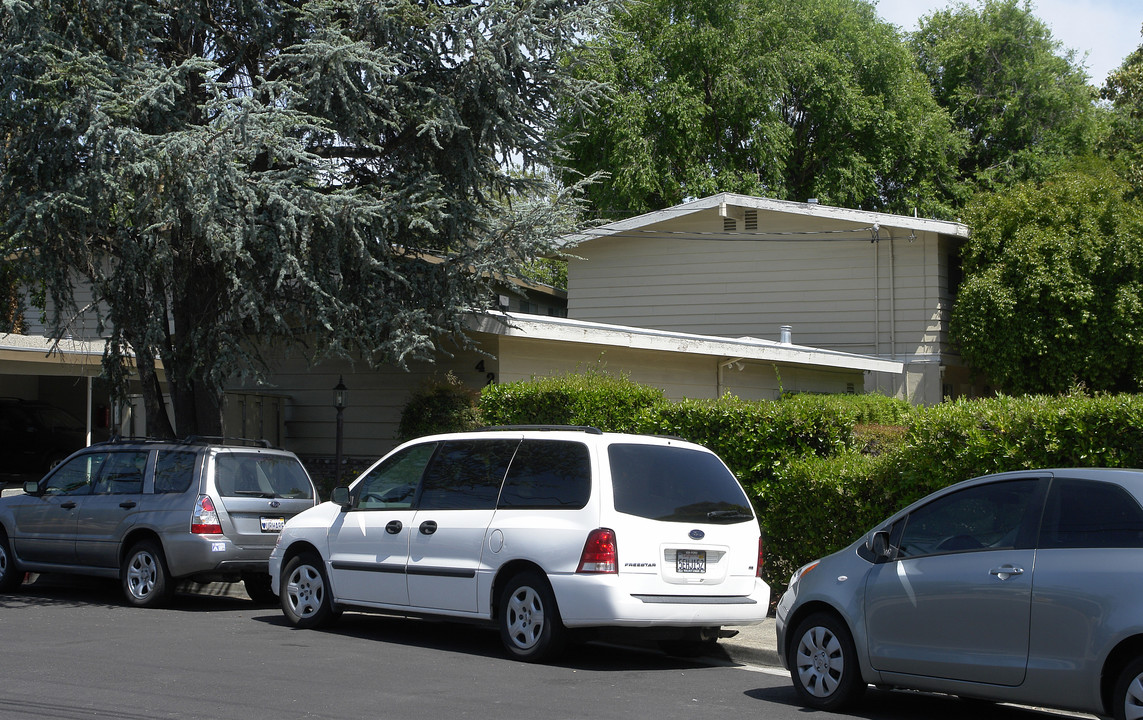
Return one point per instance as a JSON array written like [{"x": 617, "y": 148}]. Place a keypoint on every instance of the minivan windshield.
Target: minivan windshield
[{"x": 674, "y": 484}]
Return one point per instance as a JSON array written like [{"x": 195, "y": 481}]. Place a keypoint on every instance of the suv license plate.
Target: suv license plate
[
  {"x": 273, "y": 524},
  {"x": 690, "y": 561}
]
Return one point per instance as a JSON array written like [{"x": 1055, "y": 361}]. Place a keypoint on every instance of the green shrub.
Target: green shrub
[
  {"x": 610, "y": 403},
  {"x": 439, "y": 405}
]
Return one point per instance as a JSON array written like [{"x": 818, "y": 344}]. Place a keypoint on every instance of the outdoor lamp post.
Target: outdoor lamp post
[{"x": 340, "y": 399}]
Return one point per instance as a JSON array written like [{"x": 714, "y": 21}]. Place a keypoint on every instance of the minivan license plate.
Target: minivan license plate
[
  {"x": 273, "y": 524},
  {"x": 690, "y": 561}
]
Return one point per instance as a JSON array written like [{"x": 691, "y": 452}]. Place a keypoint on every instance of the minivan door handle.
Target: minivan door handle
[
  {"x": 428, "y": 527},
  {"x": 393, "y": 527},
  {"x": 1006, "y": 571}
]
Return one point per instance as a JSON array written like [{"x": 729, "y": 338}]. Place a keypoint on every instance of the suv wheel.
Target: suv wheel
[
  {"x": 824, "y": 664},
  {"x": 530, "y": 625},
  {"x": 258, "y": 588},
  {"x": 305, "y": 592},
  {"x": 146, "y": 580},
  {"x": 10, "y": 574}
]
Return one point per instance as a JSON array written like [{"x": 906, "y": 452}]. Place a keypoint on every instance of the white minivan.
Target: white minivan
[{"x": 538, "y": 530}]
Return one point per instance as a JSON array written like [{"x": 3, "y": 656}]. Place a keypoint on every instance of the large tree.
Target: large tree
[
  {"x": 1053, "y": 290},
  {"x": 1124, "y": 143},
  {"x": 790, "y": 99},
  {"x": 1022, "y": 101},
  {"x": 229, "y": 176}
]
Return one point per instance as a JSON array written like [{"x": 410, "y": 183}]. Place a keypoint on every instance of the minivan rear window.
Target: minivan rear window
[{"x": 673, "y": 484}]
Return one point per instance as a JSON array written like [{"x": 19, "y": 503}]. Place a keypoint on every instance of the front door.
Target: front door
[
  {"x": 45, "y": 524},
  {"x": 111, "y": 508},
  {"x": 955, "y": 602}
]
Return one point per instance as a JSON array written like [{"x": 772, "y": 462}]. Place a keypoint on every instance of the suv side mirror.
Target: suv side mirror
[
  {"x": 340, "y": 496},
  {"x": 879, "y": 545}
]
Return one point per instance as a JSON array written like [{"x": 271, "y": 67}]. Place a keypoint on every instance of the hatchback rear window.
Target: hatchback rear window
[
  {"x": 254, "y": 475},
  {"x": 674, "y": 484}
]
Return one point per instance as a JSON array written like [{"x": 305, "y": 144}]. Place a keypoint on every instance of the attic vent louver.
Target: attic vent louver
[
  {"x": 729, "y": 224},
  {"x": 751, "y": 222}
]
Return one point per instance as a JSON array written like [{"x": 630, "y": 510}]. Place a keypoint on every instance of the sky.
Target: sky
[{"x": 1107, "y": 30}]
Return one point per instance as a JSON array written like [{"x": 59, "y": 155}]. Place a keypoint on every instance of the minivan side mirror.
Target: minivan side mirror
[
  {"x": 879, "y": 545},
  {"x": 340, "y": 496}
]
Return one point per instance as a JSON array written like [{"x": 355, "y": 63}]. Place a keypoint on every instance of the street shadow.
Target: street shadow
[
  {"x": 878, "y": 704},
  {"x": 49, "y": 589},
  {"x": 479, "y": 640}
]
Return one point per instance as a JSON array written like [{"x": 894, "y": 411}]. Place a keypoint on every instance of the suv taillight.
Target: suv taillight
[
  {"x": 205, "y": 518},
  {"x": 761, "y": 556},
  {"x": 600, "y": 554}
]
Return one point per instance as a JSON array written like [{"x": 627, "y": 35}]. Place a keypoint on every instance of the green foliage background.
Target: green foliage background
[{"x": 822, "y": 470}]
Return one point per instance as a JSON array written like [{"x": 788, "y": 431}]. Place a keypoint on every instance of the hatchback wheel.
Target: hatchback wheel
[
  {"x": 824, "y": 667},
  {"x": 10, "y": 574},
  {"x": 146, "y": 580},
  {"x": 530, "y": 625},
  {"x": 1128, "y": 696},
  {"x": 305, "y": 592}
]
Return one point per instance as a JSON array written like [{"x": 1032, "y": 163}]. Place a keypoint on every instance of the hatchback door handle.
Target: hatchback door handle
[
  {"x": 67, "y": 505},
  {"x": 428, "y": 527},
  {"x": 1006, "y": 571},
  {"x": 393, "y": 527},
  {"x": 127, "y": 505}
]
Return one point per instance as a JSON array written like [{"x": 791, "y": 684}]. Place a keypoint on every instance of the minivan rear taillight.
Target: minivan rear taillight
[
  {"x": 761, "y": 557},
  {"x": 205, "y": 518},
  {"x": 600, "y": 554}
]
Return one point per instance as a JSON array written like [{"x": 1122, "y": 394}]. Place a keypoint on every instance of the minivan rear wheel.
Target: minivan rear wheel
[
  {"x": 824, "y": 663},
  {"x": 530, "y": 624},
  {"x": 305, "y": 597},
  {"x": 146, "y": 580},
  {"x": 1128, "y": 697}
]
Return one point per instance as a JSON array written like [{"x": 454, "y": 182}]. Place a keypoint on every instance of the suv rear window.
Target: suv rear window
[
  {"x": 675, "y": 484},
  {"x": 257, "y": 475}
]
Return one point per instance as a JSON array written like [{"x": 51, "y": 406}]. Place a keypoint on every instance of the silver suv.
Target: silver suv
[{"x": 151, "y": 513}]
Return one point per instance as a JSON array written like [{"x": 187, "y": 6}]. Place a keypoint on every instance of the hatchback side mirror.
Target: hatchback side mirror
[
  {"x": 340, "y": 496},
  {"x": 879, "y": 545},
  {"x": 32, "y": 487}
]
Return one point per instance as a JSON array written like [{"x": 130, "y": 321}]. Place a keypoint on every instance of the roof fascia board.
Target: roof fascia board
[
  {"x": 578, "y": 331},
  {"x": 859, "y": 217}
]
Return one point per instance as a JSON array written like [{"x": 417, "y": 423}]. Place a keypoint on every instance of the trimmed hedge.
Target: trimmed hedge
[{"x": 821, "y": 470}]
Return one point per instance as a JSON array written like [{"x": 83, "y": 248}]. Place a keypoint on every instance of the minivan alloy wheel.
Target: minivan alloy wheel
[
  {"x": 530, "y": 625},
  {"x": 305, "y": 592},
  {"x": 1128, "y": 697}
]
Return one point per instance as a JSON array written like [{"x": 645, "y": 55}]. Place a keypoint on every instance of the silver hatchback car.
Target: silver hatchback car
[
  {"x": 1022, "y": 587},
  {"x": 151, "y": 513}
]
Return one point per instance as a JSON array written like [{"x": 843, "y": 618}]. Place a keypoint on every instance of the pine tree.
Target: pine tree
[{"x": 234, "y": 175}]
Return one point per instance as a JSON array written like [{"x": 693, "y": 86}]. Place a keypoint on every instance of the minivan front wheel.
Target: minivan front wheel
[
  {"x": 530, "y": 625},
  {"x": 146, "y": 580},
  {"x": 824, "y": 663},
  {"x": 305, "y": 592}
]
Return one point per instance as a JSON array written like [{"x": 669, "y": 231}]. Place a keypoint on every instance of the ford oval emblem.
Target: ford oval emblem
[
  {"x": 697, "y": 534},
  {"x": 275, "y": 503}
]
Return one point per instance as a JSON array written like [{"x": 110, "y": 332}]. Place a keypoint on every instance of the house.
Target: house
[
  {"x": 735, "y": 266},
  {"x": 698, "y": 300}
]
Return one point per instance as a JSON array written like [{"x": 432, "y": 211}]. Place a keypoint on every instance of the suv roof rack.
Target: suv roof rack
[
  {"x": 190, "y": 440},
  {"x": 547, "y": 428}
]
